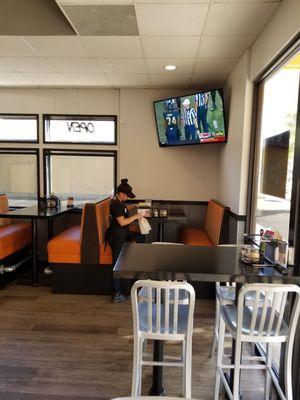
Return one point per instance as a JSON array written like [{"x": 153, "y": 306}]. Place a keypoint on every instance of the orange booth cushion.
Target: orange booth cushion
[
  {"x": 65, "y": 247},
  {"x": 14, "y": 237},
  {"x": 195, "y": 237}
]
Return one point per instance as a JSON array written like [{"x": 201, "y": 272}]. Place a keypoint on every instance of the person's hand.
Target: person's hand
[{"x": 139, "y": 216}]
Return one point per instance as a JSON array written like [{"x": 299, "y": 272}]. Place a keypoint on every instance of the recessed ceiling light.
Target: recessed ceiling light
[{"x": 170, "y": 67}]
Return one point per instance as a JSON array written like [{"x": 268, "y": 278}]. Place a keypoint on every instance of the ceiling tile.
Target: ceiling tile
[
  {"x": 214, "y": 65},
  {"x": 94, "y": 1},
  {"x": 245, "y": 1},
  {"x": 5, "y": 67},
  {"x": 58, "y": 46},
  {"x": 178, "y": 19},
  {"x": 80, "y": 65},
  {"x": 164, "y": 47},
  {"x": 208, "y": 80},
  {"x": 88, "y": 80},
  {"x": 123, "y": 65},
  {"x": 113, "y": 46},
  {"x": 170, "y": 2},
  {"x": 126, "y": 80},
  {"x": 13, "y": 79},
  {"x": 224, "y": 46},
  {"x": 237, "y": 18},
  {"x": 29, "y": 64},
  {"x": 164, "y": 80},
  {"x": 102, "y": 19},
  {"x": 47, "y": 79},
  {"x": 184, "y": 65},
  {"x": 15, "y": 46}
]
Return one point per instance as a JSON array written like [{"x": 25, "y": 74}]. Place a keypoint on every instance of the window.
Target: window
[
  {"x": 85, "y": 175},
  {"x": 18, "y": 128},
  {"x": 80, "y": 129},
  {"x": 19, "y": 176},
  {"x": 276, "y": 155},
  {"x": 277, "y": 115}
]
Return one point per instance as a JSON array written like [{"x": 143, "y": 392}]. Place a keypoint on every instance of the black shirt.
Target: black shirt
[{"x": 118, "y": 209}]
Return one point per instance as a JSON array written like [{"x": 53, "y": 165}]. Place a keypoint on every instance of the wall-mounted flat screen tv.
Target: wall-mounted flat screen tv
[{"x": 193, "y": 119}]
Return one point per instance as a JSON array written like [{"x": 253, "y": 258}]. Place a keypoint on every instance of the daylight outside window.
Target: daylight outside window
[
  {"x": 18, "y": 128},
  {"x": 18, "y": 177},
  {"x": 83, "y": 175}
]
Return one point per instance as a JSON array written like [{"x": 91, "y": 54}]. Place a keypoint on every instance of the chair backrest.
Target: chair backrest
[
  {"x": 163, "y": 317},
  {"x": 267, "y": 317},
  {"x": 102, "y": 216},
  {"x": 213, "y": 221},
  {"x": 4, "y": 208}
]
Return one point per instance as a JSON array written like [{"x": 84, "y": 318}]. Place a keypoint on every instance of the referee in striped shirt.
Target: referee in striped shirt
[
  {"x": 190, "y": 121},
  {"x": 201, "y": 104}
]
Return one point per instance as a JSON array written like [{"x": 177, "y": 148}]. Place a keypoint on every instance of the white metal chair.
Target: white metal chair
[
  {"x": 160, "y": 319},
  {"x": 263, "y": 322},
  {"x": 225, "y": 295}
]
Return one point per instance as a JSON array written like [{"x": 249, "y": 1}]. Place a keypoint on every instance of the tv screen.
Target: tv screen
[{"x": 193, "y": 119}]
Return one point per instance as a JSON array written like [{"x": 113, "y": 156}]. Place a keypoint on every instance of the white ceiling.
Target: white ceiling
[{"x": 203, "y": 38}]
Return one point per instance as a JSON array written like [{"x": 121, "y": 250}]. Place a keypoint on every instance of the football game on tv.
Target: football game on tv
[{"x": 192, "y": 119}]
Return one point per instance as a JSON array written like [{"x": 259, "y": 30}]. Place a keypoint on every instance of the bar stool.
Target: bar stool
[
  {"x": 263, "y": 322},
  {"x": 160, "y": 319}
]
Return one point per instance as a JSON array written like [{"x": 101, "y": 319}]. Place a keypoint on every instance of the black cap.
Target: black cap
[{"x": 124, "y": 187}]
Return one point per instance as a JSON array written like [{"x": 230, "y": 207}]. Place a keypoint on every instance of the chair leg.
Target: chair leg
[
  {"x": 237, "y": 370},
  {"x": 288, "y": 372},
  {"x": 183, "y": 357},
  {"x": 188, "y": 369},
  {"x": 220, "y": 348},
  {"x": 268, "y": 379},
  {"x": 216, "y": 328},
  {"x": 136, "y": 373}
]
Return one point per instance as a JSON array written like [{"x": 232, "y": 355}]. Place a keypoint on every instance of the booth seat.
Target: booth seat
[
  {"x": 102, "y": 217},
  {"x": 81, "y": 261},
  {"x": 66, "y": 246},
  {"x": 210, "y": 235},
  {"x": 13, "y": 237}
]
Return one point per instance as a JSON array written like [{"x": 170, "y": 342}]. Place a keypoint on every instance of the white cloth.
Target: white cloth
[{"x": 144, "y": 225}]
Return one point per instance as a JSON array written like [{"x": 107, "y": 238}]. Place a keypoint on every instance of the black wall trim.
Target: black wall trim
[
  {"x": 182, "y": 202},
  {"x": 238, "y": 217}
]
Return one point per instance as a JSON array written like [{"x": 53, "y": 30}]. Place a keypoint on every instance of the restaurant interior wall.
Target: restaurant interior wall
[{"x": 185, "y": 173}]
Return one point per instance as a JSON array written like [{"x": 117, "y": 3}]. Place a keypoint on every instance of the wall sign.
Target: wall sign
[{"x": 80, "y": 129}]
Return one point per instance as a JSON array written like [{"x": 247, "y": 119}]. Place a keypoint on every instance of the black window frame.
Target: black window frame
[
  {"x": 73, "y": 152},
  {"x": 25, "y": 151},
  {"x": 47, "y": 117},
  {"x": 36, "y": 116}
]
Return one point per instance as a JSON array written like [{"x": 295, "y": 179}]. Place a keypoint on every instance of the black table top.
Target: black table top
[
  {"x": 35, "y": 212},
  {"x": 192, "y": 263}
]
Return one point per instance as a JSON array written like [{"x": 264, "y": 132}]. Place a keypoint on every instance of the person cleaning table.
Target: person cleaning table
[{"x": 119, "y": 233}]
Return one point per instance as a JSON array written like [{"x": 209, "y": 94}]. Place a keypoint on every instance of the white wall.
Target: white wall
[
  {"x": 233, "y": 162},
  {"x": 182, "y": 173},
  {"x": 185, "y": 173},
  {"x": 283, "y": 25}
]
